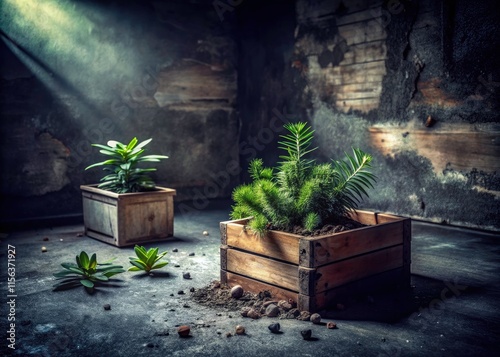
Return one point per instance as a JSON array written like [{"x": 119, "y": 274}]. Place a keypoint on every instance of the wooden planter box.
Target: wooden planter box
[
  {"x": 317, "y": 272},
  {"x": 128, "y": 218}
]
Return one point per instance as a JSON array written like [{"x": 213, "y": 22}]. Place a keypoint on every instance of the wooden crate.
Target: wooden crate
[
  {"x": 318, "y": 271},
  {"x": 128, "y": 218}
]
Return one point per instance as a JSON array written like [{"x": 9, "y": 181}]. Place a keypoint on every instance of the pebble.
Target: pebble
[
  {"x": 272, "y": 310},
  {"x": 205, "y": 233},
  {"x": 216, "y": 284},
  {"x": 44, "y": 249},
  {"x": 240, "y": 330},
  {"x": 237, "y": 291},
  {"x": 45, "y": 239},
  {"x": 180, "y": 292},
  {"x": 332, "y": 325},
  {"x": 191, "y": 254},
  {"x": 79, "y": 234},
  {"x": 244, "y": 311},
  {"x": 150, "y": 345},
  {"x": 315, "y": 319},
  {"x": 293, "y": 314},
  {"x": 177, "y": 266},
  {"x": 171, "y": 294},
  {"x": 285, "y": 305},
  {"x": 304, "y": 316},
  {"x": 107, "y": 307},
  {"x": 228, "y": 334},
  {"x": 175, "y": 250},
  {"x": 191, "y": 290},
  {"x": 267, "y": 303},
  {"x": 186, "y": 275},
  {"x": 253, "y": 314},
  {"x": 274, "y": 328},
  {"x": 183, "y": 330},
  {"x": 61, "y": 240},
  {"x": 306, "y": 334},
  {"x": 292, "y": 303}
]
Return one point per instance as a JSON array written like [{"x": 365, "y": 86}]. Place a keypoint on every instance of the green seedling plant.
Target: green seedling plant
[
  {"x": 122, "y": 165},
  {"x": 146, "y": 260},
  {"x": 299, "y": 191},
  {"x": 87, "y": 272}
]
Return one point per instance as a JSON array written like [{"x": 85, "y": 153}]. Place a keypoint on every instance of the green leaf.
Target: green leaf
[
  {"x": 134, "y": 268},
  {"x": 141, "y": 253},
  {"x": 84, "y": 260},
  {"x": 139, "y": 264},
  {"x": 87, "y": 283},
  {"x": 159, "y": 265}
]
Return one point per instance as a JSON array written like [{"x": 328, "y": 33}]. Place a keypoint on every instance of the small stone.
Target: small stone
[
  {"x": 191, "y": 290},
  {"x": 180, "y": 292},
  {"x": 332, "y": 325},
  {"x": 186, "y": 306},
  {"x": 79, "y": 234},
  {"x": 175, "y": 250},
  {"x": 171, "y": 294},
  {"x": 45, "y": 239},
  {"x": 274, "y": 328},
  {"x": 267, "y": 303},
  {"x": 237, "y": 291},
  {"x": 183, "y": 330},
  {"x": 244, "y": 311},
  {"x": 44, "y": 249},
  {"x": 61, "y": 240},
  {"x": 292, "y": 303},
  {"x": 315, "y": 319},
  {"x": 205, "y": 233},
  {"x": 151, "y": 274},
  {"x": 216, "y": 284},
  {"x": 240, "y": 330},
  {"x": 293, "y": 314},
  {"x": 107, "y": 307},
  {"x": 253, "y": 314},
  {"x": 272, "y": 310},
  {"x": 228, "y": 334},
  {"x": 186, "y": 275},
  {"x": 191, "y": 254},
  {"x": 150, "y": 345},
  {"x": 304, "y": 316},
  {"x": 306, "y": 334},
  {"x": 284, "y": 305}
]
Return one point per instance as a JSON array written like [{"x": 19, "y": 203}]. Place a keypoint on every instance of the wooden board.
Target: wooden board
[{"x": 264, "y": 269}]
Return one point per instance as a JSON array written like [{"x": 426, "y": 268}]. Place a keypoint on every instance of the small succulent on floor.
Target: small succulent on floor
[
  {"x": 87, "y": 272},
  {"x": 146, "y": 260}
]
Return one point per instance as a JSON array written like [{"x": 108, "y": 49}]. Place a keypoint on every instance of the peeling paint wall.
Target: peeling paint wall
[
  {"x": 75, "y": 73},
  {"x": 414, "y": 83}
]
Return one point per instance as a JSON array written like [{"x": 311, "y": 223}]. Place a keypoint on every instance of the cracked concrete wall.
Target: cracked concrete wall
[{"x": 75, "y": 73}]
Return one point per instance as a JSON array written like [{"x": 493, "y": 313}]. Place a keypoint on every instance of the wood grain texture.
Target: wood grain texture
[
  {"x": 346, "y": 271},
  {"x": 263, "y": 269}
]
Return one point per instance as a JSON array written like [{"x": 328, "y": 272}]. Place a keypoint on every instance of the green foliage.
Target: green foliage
[
  {"x": 146, "y": 260},
  {"x": 87, "y": 272},
  {"x": 300, "y": 192},
  {"x": 124, "y": 174}
]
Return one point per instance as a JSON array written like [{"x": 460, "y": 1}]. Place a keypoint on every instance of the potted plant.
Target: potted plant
[
  {"x": 288, "y": 234},
  {"x": 127, "y": 208}
]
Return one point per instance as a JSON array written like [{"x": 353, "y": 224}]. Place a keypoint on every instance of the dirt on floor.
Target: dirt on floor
[{"x": 220, "y": 296}]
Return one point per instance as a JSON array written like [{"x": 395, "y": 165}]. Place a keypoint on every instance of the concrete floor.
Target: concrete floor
[{"x": 453, "y": 308}]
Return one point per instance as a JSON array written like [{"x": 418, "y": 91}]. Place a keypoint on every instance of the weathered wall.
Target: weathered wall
[
  {"x": 416, "y": 84},
  {"x": 80, "y": 72}
]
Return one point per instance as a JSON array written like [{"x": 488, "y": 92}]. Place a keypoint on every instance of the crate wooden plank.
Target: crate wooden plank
[
  {"x": 345, "y": 271},
  {"x": 100, "y": 216},
  {"x": 384, "y": 218},
  {"x": 253, "y": 285},
  {"x": 263, "y": 269},
  {"x": 394, "y": 278},
  {"x": 355, "y": 242},
  {"x": 364, "y": 217},
  {"x": 279, "y": 245}
]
